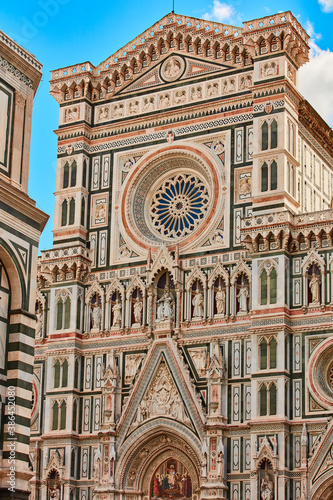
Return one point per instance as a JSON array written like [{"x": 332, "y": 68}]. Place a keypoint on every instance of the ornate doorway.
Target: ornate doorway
[{"x": 171, "y": 480}]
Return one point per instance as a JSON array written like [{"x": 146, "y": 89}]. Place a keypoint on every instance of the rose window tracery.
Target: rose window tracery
[{"x": 178, "y": 205}]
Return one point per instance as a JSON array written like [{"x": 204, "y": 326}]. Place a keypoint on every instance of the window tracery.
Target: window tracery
[{"x": 178, "y": 205}]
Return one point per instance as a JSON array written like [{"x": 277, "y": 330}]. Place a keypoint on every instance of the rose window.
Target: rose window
[{"x": 179, "y": 205}]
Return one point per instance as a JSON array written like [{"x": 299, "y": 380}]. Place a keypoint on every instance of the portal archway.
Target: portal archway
[{"x": 159, "y": 449}]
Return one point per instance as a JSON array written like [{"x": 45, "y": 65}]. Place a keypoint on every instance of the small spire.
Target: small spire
[{"x": 173, "y": 6}]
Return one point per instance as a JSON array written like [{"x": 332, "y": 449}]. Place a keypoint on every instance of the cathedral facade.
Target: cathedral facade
[{"x": 184, "y": 340}]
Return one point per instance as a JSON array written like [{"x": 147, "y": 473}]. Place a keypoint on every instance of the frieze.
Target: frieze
[
  {"x": 189, "y": 129},
  {"x": 16, "y": 72}
]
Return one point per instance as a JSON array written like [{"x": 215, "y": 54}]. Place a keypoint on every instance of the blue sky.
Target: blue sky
[{"x": 65, "y": 32}]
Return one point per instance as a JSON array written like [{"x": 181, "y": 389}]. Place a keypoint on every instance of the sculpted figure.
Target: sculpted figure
[
  {"x": 198, "y": 303},
  {"x": 137, "y": 311},
  {"x": 116, "y": 309},
  {"x": 164, "y": 307},
  {"x": 267, "y": 489},
  {"x": 220, "y": 301},
  {"x": 242, "y": 297},
  {"x": 314, "y": 287},
  {"x": 96, "y": 317},
  {"x": 39, "y": 326},
  {"x": 172, "y": 68}
]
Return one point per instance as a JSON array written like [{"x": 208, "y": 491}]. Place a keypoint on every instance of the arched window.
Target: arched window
[
  {"x": 67, "y": 313},
  {"x": 78, "y": 313},
  {"x": 272, "y": 353},
  {"x": 268, "y": 353},
  {"x": 73, "y": 457},
  {"x": 268, "y": 286},
  {"x": 263, "y": 400},
  {"x": 55, "y": 416},
  {"x": 71, "y": 211},
  {"x": 60, "y": 307},
  {"x": 63, "y": 408},
  {"x": 64, "y": 380},
  {"x": 57, "y": 374},
  {"x": 273, "y": 175},
  {"x": 263, "y": 354},
  {"x": 84, "y": 174},
  {"x": 64, "y": 210},
  {"x": 264, "y": 136},
  {"x": 65, "y": 179},
  {"x": 272, "y": 399},
  {"x": 63, "y": 313},
  {"x": 264, "y": 177},
  {"x": 74, "y": 415},
  {"x": 73, "y": 174},
  {"x": 263, "y": 288},
  {"x": 269, "y": 135},
  {"x": 273, "y": 286},
  {"x": 274, "y": 137},
  {"x": 83, "y": 211},
  {"x": 76, "y": 373}
]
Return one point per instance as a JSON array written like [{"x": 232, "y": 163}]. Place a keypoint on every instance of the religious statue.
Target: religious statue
[
  {"x": 143, "y": 410},
  {"x": 172, "y": 68},
  {"x": 97, "y": 467},
  {"x": 96, "y": 317},
  {"x": 266, "y": 489},
  {"x": 39, "y": 325},
  {"x": 165, "y": 307},
  {"x": 220, "y": 464},
  {"x": 54, "y": 493},
  {"x": 220, "y": 299},
  {"x": 137, "y": 311},
  {"x": 242, "y": 297},
  {"x": 116, "y": 309},
  {"x": 204, "y": 466},
  {"x": 314, "y": 287},
  {"x": 198, "y": 303}
]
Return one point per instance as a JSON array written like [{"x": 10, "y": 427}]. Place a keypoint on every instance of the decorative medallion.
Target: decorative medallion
[{"x": 172, "y": 68}]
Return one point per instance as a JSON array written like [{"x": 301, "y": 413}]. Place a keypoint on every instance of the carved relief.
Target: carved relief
[
  {"x": 118, "y": 110},
  {"x": 172, "y": 68},
  {"x": 133, "y": 107},
  {"x": 269, "y": 69},
  {"x": 212, "y": 89},
  {"x": 72, "y": 114},
  {"x": 199, "y": 358},
  {"x": 131, "y": 366},
  {"x": 161, "y": 399}
]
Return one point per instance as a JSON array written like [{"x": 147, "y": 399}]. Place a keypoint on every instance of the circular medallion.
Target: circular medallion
[
  {"x": 172, "y": 68},
  {"x": 178, "y": 205},
  {"x": 321, "y": 373}
]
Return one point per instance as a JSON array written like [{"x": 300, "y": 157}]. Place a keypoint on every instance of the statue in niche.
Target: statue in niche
[
  {"x": 220, "y": 464},
  {"x": 242, "y": 297},
  {"x": 266, "y": 488},
  {"x": 220, "y": 300},
  {"x": 198, "y": 303},
  {"x": 204, "y": 466},
  {"x": 138, "y": 311},
  {"x": 39, "y": 325},
  {"x": 54, "y": 493},
  {"x": 143, "y": 410},
  {"x": 96, "y": 315},
  {"x": 116, "y": 309},
  {"x": 165, "y": 307},
  {"x": 315, "y": 288}
]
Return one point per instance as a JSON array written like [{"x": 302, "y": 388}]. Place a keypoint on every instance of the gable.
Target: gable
[
  {"x": 163, "y": 390},
  {"x": 175, "y": 67}
]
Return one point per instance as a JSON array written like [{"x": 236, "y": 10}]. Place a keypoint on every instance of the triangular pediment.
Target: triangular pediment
[
  {"x": 186, "y": 68},
  {"x": 162, "y": 390}
]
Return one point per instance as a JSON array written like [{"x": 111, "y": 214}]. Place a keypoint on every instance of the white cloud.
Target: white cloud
[
  {"x": 221, "y": 12},
  {"x": 327, "y": 5},
  {"x": 316, "y": 78}
]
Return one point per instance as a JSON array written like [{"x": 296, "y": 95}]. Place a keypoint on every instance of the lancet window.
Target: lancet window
[
  {"x": 267, "y": 399},
  {"x": 59, "y": 409},
  {"x": 268, "y": 353},
  {"x": 269, "y": 176},
  {"x": 63, "y": 314},
  {"x": 268, "y": 285}
]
